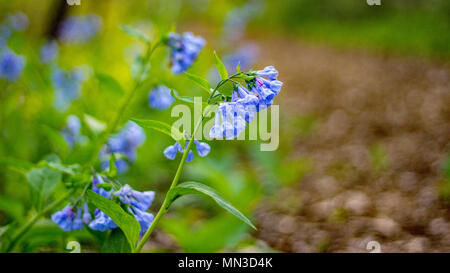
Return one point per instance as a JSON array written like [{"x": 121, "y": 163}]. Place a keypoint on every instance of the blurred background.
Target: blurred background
[{"x": 364, "y": 120}]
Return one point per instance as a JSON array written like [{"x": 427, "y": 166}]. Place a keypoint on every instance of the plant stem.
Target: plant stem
[
  {"x": 33, "y": 220},
  {"x": 114, "y": 123},
  {"x": 165, "y": 206}
]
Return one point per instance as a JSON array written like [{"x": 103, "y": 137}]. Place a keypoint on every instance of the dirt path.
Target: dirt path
[{"x": 383, "y": 133}]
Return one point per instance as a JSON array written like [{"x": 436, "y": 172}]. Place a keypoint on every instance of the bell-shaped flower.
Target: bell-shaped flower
[
  {"x": 78, "y": 221},
  {"x": 203, "y": 148},
  {"x": 86, "y": 215},
  {"x": 145, "y": 219},
  {"x": 64, "y": 218},
  {"x": 160, "y": 98},
  {"x": 102, "y": 222}
]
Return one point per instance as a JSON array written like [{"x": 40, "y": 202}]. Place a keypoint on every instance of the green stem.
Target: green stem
[
  {"x": 112, "y": 126},
  {"x": 165, "y": 206},
  {"x": 33, "y": 220}
]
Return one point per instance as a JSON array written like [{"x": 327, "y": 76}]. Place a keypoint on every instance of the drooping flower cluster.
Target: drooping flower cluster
[
  {"x": 68, "y": 220},
  {"x": 232, "y": 117},
  {"x": 123, "y": 144},
  {"x": 160, "y": 98},
  {"x": 71, "y": 132},
  {"x": 203, "y": 150},
  {"x": 11, "y": 65},
  {"x": 185, "y": 49},
  {"x": 136, "y": 202},
  {"x": 49, "y": 52},
  {"x": 67, "y": 85},
  {"x": 79, "y": 29}
]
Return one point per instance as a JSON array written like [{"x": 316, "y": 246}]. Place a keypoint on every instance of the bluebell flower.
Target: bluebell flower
[
  {"x": 140, "y": 200},
  {"x": 86, "y": 215},
  {"x": 102, "y": 222},
  {"x": 67, "y": 85},
  {"x": 17, "y": 21},
  {"x": 71, "y": 132},
  {"x": 97, "y": 179},
  {"x": 160, "y": 97},
  {"x": 202, "y": 149},
  {"x": 79, "y": 29},
  {"x": 77, "y": 222},
  {"x": 231, "y": 117},
  {"x": 229, "y": 121},
  {"x": 171, "y": 151},
  {"x": 49, "y": 52},
  {"x": 123, "y": 143},
  {"x": 185, "y": 49},
  {"x": 64, "y": 218},
  {"x": 145, "y": 219},
  {"x": 11, "y": 65}
]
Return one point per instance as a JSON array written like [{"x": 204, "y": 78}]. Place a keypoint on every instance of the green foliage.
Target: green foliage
[
  {"x": 135, "y": 33},
  {"x": 198, "y": 188},
  {"x": 204, "y": 84},
  {"x": 116, "y": 243},
  {"x": 161, "y": 127},
  {"x": 43, "y": 180},
  {"x": 220, "y": 67}
]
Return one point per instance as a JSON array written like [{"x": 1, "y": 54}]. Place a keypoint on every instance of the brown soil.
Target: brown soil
[{"x": 396, "y": 107}]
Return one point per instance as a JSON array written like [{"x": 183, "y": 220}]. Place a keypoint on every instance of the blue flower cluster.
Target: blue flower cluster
[
  {"x": 160, "y": 98},
  {"x": 185, "y": 49},
  {"x": 68, "y": 220},
  {"x": 67, "y": 85},
  {"x": 79, "y": 29},
  {"x": 203, "y": 150},
  {"x": 11, "y": 65},
  {"x": 137, "y": 203},
  {"x": 232, "y": 117},
  {"x": 123, "y": 144},
  {"x": 71, "y": 132},
  {"x": 49, "y": 52}
]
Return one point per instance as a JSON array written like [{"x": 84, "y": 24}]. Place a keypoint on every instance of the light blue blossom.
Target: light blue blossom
[
  {"x": 67, "y": 85},
  {"x": 86, "y": 215},
  {"x": 160, "y": 98},
  {"x": 49, "y": 52},
  {"x": 102, "y": 222},
  {"x": 64, "y": 218},
  {"x": 78, "y": 222},
  {"x": 97, "y": 179},
  {"x": 11, "y": 65},
  {"x": 124, "y": 144},
  {"x": 145, "y": 219},
  {"x": 71, "y": 132},
  {"x": 79, "y": 29},
  {"x": 141, "y": 200},
  {"x": 231, "y": 117},
  {"x": 171, "y": 151},
  {"x": 185, "y": 49}
]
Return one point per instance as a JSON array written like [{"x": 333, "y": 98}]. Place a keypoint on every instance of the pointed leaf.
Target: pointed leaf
[
  {"x": 204, "y": 84},
  {"x": 198, "y": 188},
  {"x": 161, "y": 127},
  {"x": 43, "y": 180},
  {"x": 109, "y": 84},
  {"x": 127, "y": 223},
  {"x": 135, "y": 33},
  {"x": 220, "y": 67}
]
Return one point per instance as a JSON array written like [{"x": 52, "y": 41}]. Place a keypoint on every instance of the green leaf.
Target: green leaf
[
  {"x": 127, "y": 223},
  {"x": 43, "y": 180},
  {"x": 116, "y": 243},
  {"x": 19, "y": 165},
  {"x": 68, "y": 169},
  {"x": 184, "y": 99},
  {"x": 112, "y": 166},
  {"x": 109, "y": 84},
  {"x": 204, "y": 84},
  {"x": 198, "y": 188},
  {"x": 135, "y": 33},
  {"x": 161, "y": 127},
  {"x": 238, "y": 68},
  {"x": 220, "y": 67}
]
